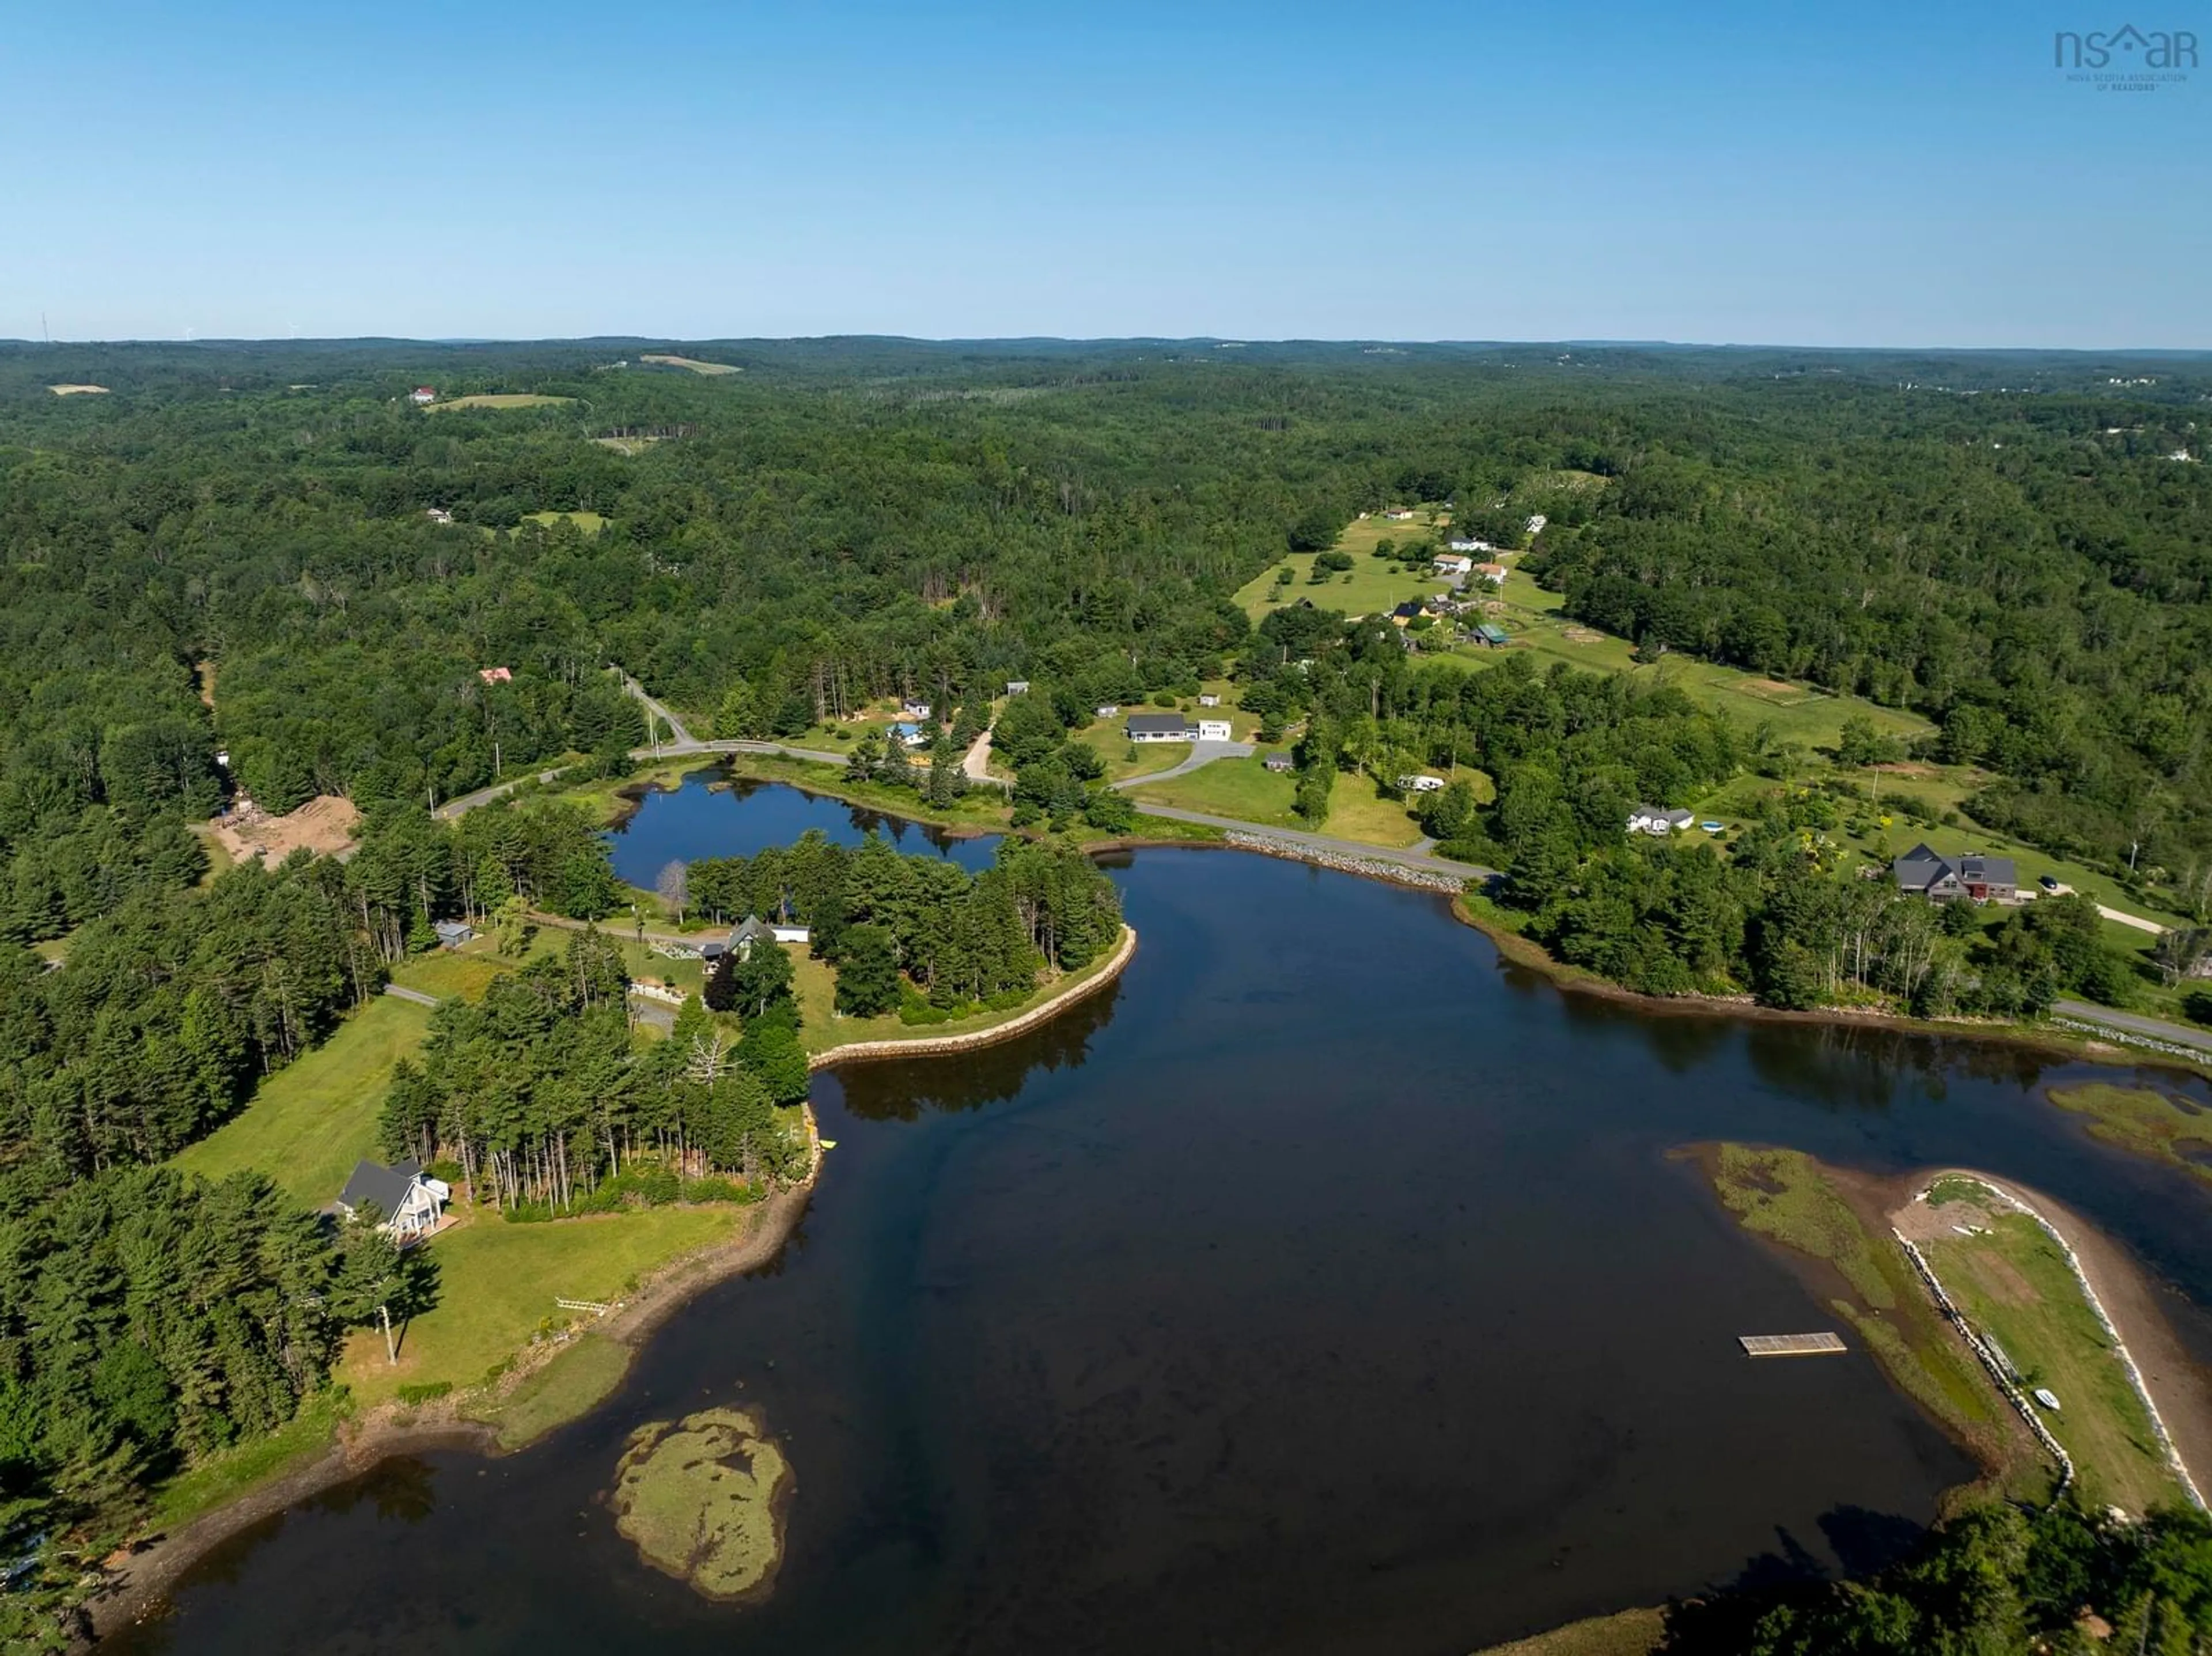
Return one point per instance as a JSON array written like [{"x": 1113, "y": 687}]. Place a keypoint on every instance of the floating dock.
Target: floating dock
[{"x": 1789, "y": 1346}]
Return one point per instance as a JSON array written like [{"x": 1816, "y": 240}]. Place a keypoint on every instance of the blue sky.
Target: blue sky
[{"x": 1870, "y": 174}]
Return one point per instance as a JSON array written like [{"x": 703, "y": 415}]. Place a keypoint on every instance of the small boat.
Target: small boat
[
  {"x": 826, "y": 1143},
  {"x": 2046, "y": 1399}
]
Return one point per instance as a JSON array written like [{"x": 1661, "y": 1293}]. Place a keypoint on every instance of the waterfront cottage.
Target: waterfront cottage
[{"x": 408, "y": 1203}]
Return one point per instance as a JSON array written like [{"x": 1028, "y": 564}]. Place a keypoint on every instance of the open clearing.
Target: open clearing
[
  {"x": 1247, "y": 790},
  {"x": 2013, "y": 1284},
  {"x": 497, "y": 1283},
  {"x": 590, "y": 522},
  {"x": 691, "y": 362},
  {"x": 324, "y": 825},
  {"x": 311, "y": 1121},
  {"x": 502, "y": 399},
  {"x": 1371, "y": 586},
  {"x": 78, "y": 391},
  {"x": 1110, "y": 740}
]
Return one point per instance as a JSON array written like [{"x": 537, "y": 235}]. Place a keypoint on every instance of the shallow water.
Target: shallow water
[{"x": 1325, "y": 1286}]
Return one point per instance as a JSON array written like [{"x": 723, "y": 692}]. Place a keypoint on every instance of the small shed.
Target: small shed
[
  {"x": 1018, "y": 687},
  {"x": 1491, "y": 635},
  {"x": 451, "y": 934}
]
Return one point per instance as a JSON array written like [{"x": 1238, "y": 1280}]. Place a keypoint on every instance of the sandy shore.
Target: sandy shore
[{"x": 137, "y": 1583}]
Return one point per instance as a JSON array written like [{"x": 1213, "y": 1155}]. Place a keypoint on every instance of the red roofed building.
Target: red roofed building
[
  {"x": 423, "y": 394},
  {"x": 496, "y": 675}
]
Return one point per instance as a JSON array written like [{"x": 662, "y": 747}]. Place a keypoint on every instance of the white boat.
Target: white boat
[{"x": 2046, "y": 1399}]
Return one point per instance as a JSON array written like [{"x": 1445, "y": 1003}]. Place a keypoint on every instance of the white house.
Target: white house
[
  {"x": 408, "y": 1204},
  {"x": 1108, "y": 709},
  {"x": 1420, "y": 784},
  {"x": 438, "y": 514},
  {"x": 914, "y": 709},
  {"x": 1209, "y": 701},
  {"x": 1651, "y": 820},
  {"x": 1453, "y": 563},
  {"x": 1160, "y": 727},
  {"x": 1214, "y": 730},
  {"x": 1018, "y": 687},
  {"x": 1471, "y": 546},
  {"x": 1492, "y": 573},
  {"x": 423, "y": 394},
  {"x": 1399, "y": 514},
  {"x": 1536, "y": 522}
]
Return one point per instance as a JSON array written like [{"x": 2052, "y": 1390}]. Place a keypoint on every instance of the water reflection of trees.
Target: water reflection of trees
[
  {"x": 402, "y": 1489},
  {"x": 903, "y": 1089}
]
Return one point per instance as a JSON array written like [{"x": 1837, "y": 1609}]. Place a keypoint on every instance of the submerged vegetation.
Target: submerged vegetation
[
  {"x": 704, "y": 1500},
  {"x": 2164, "y": 1127}
]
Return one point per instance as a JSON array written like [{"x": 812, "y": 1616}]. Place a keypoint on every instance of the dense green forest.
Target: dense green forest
[{"x": 1996, "y": 1582}]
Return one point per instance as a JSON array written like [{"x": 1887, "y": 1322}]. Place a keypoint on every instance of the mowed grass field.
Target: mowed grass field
[
  {"x": 2014, "y": 1284},
  {"x": 590, "y": 522},
  {"x": 691, "y": 362},
  {"x": 500, "y": 399},
  {"x": 1372, "y": 587},
  {"x": 310, "y": 1122},
  {"x": 1797, "y": 713},
  {"x": 497, "y": 1284},
  {"x": 1246, "y": 789}
]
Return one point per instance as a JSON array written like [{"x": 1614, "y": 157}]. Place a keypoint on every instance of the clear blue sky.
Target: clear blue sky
[{"x": 1838, "y": 174}]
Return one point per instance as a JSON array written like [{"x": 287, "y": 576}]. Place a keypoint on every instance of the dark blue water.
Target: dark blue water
[
  {"x": 714, "y": 815},
  {"x": 1326, "y": 1286}
]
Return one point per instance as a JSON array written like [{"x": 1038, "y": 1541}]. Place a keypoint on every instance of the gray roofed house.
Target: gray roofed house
[
  {"x": 454, "y": 933},
  {"x": 1924, "y": 872},
  {"x": 745, "y": 933},
  {"x": 408, "y": 1204},
  {"x": 1160, "y": 727},
  {"x": 1277, "y": 761}
]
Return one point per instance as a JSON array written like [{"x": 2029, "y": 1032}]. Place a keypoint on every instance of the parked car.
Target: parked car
[{"x": 2049, "y": 882}]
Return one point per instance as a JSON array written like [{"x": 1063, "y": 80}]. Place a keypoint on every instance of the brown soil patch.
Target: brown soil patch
[
  {"x": 1771, "y": 689},
  {"x": 2000, "y": 1279},
  {"x": 324, "y": 825},
  {"x": 1581, "y": 635}
]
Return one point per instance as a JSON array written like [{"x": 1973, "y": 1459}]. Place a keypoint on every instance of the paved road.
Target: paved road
[
  {"x": 1202, "y": 753},
  {"x": 1414, "y": 859},
  {"x": 2180, "y": 1035},
  {"x": 414, "y": 995},
  {"x": 469, "y": 801}
]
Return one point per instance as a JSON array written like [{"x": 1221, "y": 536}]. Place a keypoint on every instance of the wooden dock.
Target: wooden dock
[{"x": 1789, "y": 1346}]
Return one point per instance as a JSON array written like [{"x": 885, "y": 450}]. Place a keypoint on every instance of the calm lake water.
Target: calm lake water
[{"x": 1325, "y": 1287}]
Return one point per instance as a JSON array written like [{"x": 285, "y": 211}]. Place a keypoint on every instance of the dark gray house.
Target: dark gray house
[
  {"x": 1923, "y": 872},
  {"x": 1277, "y": 761}
]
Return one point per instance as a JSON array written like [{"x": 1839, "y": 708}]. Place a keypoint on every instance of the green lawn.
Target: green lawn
[
  {"x": 2142, "y": 1120},
  {"x": 497, "y": 1283},
  {"x": 309, "y": 1123},
  {"x": 505, "y": 399},
  {"x": 223, "y": 1478},
  {"x": 1372, "y": 587},
  {"x": 1108, "y": 738},
  {"x": 1242, "y": 788},
  {"x": 1246, "y": 789},
  {"x": 2014, "y": 1284},
  {"x": 464, "y": 973},
  {"x": 590, "y": 522}
]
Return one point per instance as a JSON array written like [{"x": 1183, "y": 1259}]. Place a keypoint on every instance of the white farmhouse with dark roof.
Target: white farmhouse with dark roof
[{"x": 408, "y": 1203}]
